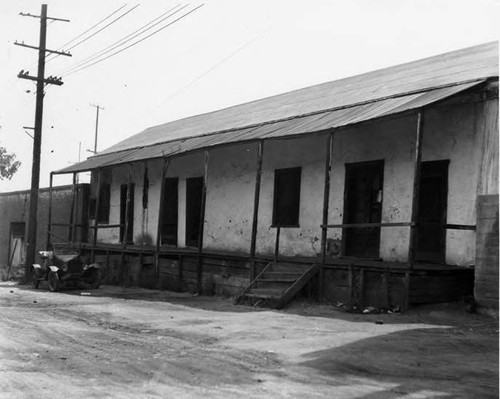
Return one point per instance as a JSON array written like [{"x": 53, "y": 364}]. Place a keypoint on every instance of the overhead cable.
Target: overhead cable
[
  {"x": 126, "y": 38},
  {"x": 85, "y": 32},
  {"x": 136, "y": 42}
]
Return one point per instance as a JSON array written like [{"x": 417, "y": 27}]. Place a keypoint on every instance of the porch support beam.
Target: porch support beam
[
  {"x": 258, "y": 175},
  {"x": 277, "y": 244},
  {"x": 96, "y": 213},
  {"x": 127, "y": 207},
  {"x": 71, "y": 227},
  {"x": 164, "y": 169},
  {"x": 202, "y": 221},
  {"x": 49, "y": 224},
  {"x": 326, "y": 195},
  {"x": 417, "y": 160}
]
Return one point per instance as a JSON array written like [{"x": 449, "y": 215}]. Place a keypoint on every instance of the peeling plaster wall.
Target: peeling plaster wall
[
  {"x": 487, "y": 126},
  {"x": 145, "y": 219},
  {"x": 192, "y": 165},
  {"x": 391, "y": 141},
  {"x": 309, "y": 153},
  {"x": 450, "y": 133},
  {"x": 230, "y": 198}
]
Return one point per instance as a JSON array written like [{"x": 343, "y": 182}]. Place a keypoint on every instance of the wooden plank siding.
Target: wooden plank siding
[
  {"x": 486, "y": 275},
  {"x": 358, "y": 283}
]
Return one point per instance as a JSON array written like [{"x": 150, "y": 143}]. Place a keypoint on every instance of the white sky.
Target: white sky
[{"x": 227, "y": 52}]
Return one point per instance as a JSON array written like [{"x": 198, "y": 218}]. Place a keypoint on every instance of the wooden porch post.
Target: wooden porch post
[
  {"x": 96, "y": 214},
  {"x": 127, "y": 207},
  {"x": 49, "y": 224},
  {"x": 326, "y": 196},
  {"x": 164, "y": 168},
  {"x": 277, "y": 244},
  {"x": 258, "y": 175},
  {"x": 417, "y": 158},
  {"x": 202, "y": 222},
  {"x": 326, "y": 205},
  {"x": 72, "y": 212}
]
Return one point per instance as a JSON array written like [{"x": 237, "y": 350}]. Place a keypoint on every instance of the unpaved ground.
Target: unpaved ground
[{"x": 136, "y": 343}]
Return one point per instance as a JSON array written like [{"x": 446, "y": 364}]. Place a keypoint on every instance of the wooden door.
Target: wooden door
[
  {"x": 194, "y": 189},
  {"x": 130, "y": 216},
  {"x": 170, "y": 211},
  {"x": 433, "y": 204},
  {"x": 17, "y": 253},
  {"x": 363, "y": 204}
]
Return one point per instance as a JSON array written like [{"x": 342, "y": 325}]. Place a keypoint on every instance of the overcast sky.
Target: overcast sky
[{"x": 225, "y": 53}]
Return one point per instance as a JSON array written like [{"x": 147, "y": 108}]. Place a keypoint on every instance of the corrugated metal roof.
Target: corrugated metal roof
[
  {"x": 454, "y": 67},
  {"x": 335, "y": 118}
]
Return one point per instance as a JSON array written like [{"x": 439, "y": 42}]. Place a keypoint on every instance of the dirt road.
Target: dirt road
[{"x": 136, "y": 343}]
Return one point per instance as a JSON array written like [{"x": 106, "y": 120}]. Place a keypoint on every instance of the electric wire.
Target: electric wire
[
  {"x": 209, "y": 70},
  {"x": 92, "y": 27},
  {"x": 137, "y": 42},
  {"x": 126, "y": 38},
  {"x": 60, "y": 48},
  {"x": 104, "y": 27}
]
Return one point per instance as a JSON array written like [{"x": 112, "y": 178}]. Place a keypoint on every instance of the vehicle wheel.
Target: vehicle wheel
[
  {"x": 54, "y": 283},
  {"x": 34, "y": 281},
  {"x": 95, "y": 279}
]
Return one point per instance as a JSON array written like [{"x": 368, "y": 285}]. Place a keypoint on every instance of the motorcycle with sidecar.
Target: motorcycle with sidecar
[{"x": 65, "y": 271}]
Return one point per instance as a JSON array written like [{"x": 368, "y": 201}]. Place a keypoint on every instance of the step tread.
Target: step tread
[
  {"x": 275, "y": 291},
  {"x": 262, "y": 296},
  {"x": 288, "y": 273}
]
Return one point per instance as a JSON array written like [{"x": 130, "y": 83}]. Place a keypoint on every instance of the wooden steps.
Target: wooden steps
[{"x": 278, "y": 283}]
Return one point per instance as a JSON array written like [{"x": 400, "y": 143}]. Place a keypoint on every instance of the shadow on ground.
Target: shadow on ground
[{"x": 426, "y": 357}]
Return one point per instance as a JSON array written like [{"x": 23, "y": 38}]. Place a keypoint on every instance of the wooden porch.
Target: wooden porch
[{"x": 350, "y": 281}]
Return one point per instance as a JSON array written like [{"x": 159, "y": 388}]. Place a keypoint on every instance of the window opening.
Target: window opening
[{"x": 286, "y": 207}]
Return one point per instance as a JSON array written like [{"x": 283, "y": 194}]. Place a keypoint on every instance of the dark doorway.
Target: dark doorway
[
  {"x": 17, "y": 249},
  {"x": 363, "y": 204},
  {"x": 130, "y": 216},
  {"x": 194, "y": 189},
  {"x": 170, "y": 211},
  {"x": 432, "y": 203},
  {"x": 286, "y": 207}
]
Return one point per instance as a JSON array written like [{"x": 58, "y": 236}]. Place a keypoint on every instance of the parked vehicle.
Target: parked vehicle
[{"x": 65, "y": 271}]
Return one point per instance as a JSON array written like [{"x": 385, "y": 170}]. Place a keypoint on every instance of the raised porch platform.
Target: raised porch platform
[{"x": 353, "y": 281}]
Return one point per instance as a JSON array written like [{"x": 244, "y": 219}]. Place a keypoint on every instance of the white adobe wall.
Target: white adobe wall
[
  {"x": 487, "y": 126},
  {"x": 192, "y": 165},
  {"x": 230, "y": 198},
  {"x": 452, "y": 133},
  {"x": 308, "y": 153},
  {"x": 391, "y": 141}
]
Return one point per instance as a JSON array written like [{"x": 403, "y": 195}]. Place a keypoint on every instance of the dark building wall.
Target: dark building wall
[
  {"x": 14, "y": 208},
  {"x": 486, "y": 276}
]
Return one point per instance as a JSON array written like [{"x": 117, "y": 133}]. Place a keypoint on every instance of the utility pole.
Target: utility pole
[
  {"x": 37, "y": 139},
  {"x": 97, "y": 107}
]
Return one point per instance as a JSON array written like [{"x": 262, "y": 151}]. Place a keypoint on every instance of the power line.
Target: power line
[
  {"x": 137, "y": 42},
  {"x": 126, "y": 38},
  {"x": 215, "y": 66},
  {"x": 92, "y": 27},
  {"x": 104, "y": 27},
  {"x": 85, "y": 32}
]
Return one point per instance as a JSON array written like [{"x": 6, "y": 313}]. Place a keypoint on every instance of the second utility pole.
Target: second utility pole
[{"x": 96, "y": 125}]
